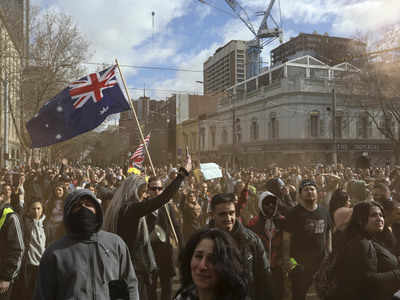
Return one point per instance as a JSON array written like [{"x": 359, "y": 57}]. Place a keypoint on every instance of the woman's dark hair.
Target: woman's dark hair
[
  {"x": 339, "y": 199},
  {"x": 228, "y": 265},
  {"x": 359, "y": 218},
  {"x": 51, "y": 202}
]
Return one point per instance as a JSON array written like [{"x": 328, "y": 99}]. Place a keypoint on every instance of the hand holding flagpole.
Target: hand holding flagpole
[{"x": 189, "y": 161}]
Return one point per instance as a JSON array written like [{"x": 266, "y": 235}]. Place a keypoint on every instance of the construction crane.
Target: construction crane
[{"x": 264, "y": 36}]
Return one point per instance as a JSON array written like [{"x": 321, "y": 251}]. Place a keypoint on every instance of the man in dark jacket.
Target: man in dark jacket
[
  {"x": 223, "y": 216},
  {"x": 11, "y": 247},
  {"x": 163, "y": 246},
  {"x": 87, "y": 263}
]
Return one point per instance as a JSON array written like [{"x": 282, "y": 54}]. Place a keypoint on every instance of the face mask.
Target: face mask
[{"x": 83, "y": 222}]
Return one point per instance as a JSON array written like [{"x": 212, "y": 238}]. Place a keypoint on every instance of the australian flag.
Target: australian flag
[{"x": 79, "y": 108}]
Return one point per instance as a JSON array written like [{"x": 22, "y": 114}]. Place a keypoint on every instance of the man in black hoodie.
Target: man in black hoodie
[
  {"x": 87, "y": 263},
  {"x": 11, "y": 247}
]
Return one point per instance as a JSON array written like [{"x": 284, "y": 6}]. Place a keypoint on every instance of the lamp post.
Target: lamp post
[{"x": 334, "y": 126}]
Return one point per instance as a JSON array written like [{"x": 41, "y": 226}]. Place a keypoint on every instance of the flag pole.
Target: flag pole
[
  {"x": 145, "y": 146},
  {"x": 135, "y": 115}
]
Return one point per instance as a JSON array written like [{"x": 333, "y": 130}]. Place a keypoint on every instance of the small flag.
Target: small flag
[
  {"x": 137, "y": 159},
  {"x": 79, "y": 108}
]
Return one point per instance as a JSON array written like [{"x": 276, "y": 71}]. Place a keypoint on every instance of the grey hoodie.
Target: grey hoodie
[{"x": 76, "y": 268}]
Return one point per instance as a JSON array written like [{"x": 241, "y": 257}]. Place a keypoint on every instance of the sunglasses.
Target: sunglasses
[{"x": 156, "y": 188}]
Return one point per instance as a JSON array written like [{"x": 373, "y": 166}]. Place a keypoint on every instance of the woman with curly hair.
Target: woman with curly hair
[{"x": 211, "y": 268}]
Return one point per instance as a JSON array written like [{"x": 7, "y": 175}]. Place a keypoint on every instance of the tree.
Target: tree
[
  {"x": 379, "y": 83},
  {"x": 56, "y": 52}
]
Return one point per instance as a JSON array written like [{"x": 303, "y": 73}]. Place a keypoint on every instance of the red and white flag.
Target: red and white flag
[{"x": 137, "y": 159}]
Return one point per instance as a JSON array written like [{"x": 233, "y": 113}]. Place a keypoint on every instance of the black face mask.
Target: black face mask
[{"x": 83, "y": 222}]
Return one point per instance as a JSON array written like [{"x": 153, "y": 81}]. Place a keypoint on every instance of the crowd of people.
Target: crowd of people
[{"x": 80, "y": 232}]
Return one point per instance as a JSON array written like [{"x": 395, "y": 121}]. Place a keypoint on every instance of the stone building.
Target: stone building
[{"x": 285, "y": 116}]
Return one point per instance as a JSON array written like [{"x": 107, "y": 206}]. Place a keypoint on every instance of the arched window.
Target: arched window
[
  {"x": 273, "y": 126},
  {"x": 254, "y": 129},
  {"x": 314, "y": 123}
]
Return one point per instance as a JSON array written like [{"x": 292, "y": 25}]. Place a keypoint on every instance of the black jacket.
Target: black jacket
[
  {"x": 11, "y": 245},
  {"x": 129, "y": 219},
  {"x": 367, "y": 271},
  {"x": 255, "y": 261}
]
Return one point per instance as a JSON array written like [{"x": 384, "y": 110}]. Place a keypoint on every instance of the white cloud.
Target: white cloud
[
  {"x": 116, "y": 28},
  {"x": 186, "y": 81},
  {"x": 368, "y": 15}
]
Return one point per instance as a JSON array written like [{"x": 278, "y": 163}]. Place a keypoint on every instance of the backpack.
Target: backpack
[{"x": 325, "y": 278}]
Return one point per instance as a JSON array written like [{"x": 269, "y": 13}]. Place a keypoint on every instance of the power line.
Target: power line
[
  {"x": 148, "y": 67},
  {"x": 217, "y": 8},
  {"x": 161, "y": 90}
]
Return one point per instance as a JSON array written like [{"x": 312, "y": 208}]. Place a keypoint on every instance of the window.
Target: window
[
  {"x": 224, "y": 136},
  {"x": 273, "y": 126},
  {"x": 388, "y": 125},
  {"x": 194, "y": 141},
  {"x": 238, "y": 133},
  {"x": 212, "y": 135},
  {"x": 202, "y": 138},
  {"x": 254, "y": 129},
  {"x": 339, "y": 127},
  {"x": 364, "y": 128},
  {"x": 314, "y": 124}
]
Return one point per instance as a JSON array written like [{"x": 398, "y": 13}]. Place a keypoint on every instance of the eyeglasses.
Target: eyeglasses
[{"x": 156, "y": 188}]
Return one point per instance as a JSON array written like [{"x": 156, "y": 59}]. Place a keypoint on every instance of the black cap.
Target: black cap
[{"x": 306, "y": 182}]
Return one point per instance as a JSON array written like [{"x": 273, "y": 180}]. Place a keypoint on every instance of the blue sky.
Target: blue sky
[{"x": 187, "y": 32}]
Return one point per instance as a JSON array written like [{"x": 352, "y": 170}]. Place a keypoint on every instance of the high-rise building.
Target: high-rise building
[
  {"x": 225, "y": 68},
  {"x": 328, "y": 49}
]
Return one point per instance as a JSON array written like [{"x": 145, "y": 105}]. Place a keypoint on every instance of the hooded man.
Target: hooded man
[
  {"x": 267, "y": 225},
  {"x": 278, "y": 187},
  {"x": 87, "y": 263}
]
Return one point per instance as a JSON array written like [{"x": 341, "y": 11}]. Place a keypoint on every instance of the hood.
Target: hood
[
  {"x": 275, "y": 185},
  {"x": 72, "y": 198},
  {"x": 262, "y": 196}
]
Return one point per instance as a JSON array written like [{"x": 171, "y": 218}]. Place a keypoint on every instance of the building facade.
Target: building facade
[
  {"x": 285, "y": 116},
  {"x": 153, "y": 119},
  {"x": 328, "y": 49},
  {"x": 191, "y": 110},
  {"x": 225, "y": 68},
  {"x": 11, "y": 63}
]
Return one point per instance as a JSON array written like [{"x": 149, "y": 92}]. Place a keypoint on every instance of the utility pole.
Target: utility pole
[
  {"x": 334, "y": 126},
  {"x": 233, "y": 134},
  {"x": 5, "y": 136}
]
